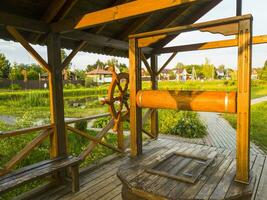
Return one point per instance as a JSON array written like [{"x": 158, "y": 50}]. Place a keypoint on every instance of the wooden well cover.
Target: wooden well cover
[{"x": 181, "y": 167}]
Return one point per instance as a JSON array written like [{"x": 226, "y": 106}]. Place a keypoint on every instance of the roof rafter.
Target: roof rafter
[{"x": 120, "y": 12}]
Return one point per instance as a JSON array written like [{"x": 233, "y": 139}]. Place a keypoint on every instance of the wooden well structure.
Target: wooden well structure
[{"x": 103, "y": 27}]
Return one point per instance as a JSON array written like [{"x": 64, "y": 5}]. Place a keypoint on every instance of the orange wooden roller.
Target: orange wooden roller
[{"x": 188, "y": 100}]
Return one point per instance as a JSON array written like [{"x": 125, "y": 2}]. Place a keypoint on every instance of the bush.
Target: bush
[
  {"x": 35, "y": 100},
  {"x": 101, "y": 122},
  {"x": 69, "y": 86},
  {"x": 189, "y": 125},
  {"x": 89, "y": 82},
  {"x": 82, "y": 125},
  {"x": 15, "y": 87}
]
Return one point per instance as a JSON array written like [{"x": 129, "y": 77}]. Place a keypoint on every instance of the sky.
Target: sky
[{"x": 228, "y": 56}]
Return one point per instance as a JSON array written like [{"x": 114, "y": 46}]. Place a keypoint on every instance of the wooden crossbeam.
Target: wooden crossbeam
[
  {"x": 143, "y": 58},
  {"x": 117, "y": 2},
  {"x": 72, "y": 54},
  {"x": 123, "y": 11},
  {"x": 191, "y": 27},
  {"x": 166, "y": 63},
  {"x": 28, "y": 47},
  {"x": 86, "y": 135},
  {"x": 26, "y": 150},
  {"x": 99, "y": 136},
  {"x": 261, "y": 39}
]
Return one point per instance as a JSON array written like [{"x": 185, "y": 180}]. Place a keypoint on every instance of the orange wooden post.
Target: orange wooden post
[
  {"x": 58, "y": 138},
  {"x": 135, "y": 86},
  {"x": 154, "y": 86},
  {"x": 243, "y": 99}
]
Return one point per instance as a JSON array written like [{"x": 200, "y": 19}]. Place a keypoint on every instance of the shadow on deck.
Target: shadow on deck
[{"x": 102, "y": 182}]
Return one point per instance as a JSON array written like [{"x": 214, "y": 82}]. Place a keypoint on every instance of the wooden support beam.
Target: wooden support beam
[
  {"x": 166, "y": 63},
  {"x": 116, "y": 2},
  {"x": 67, "y": 60},
  {"x": 191, "y": 27},
  {"x": 23, "y": 23},
  {"x": 238, "y": 7},
  {"x": 99, "y": 136},
  {"x": 50, "y": 14},
  {"x": 143, "y": 58},
  {"x": 135, "y": 86},
  {"x": 58, "y": 139},
  {"x": 154, "y": 86},
  {"x": 187, "y": 20},
  {"x": 28, "y": 47},
  {"x": 243, "y": 101},
  {"x": 89, "y": 137},
  {"x": 261, "y": 39},
  {"x": 123, "y": 11}
]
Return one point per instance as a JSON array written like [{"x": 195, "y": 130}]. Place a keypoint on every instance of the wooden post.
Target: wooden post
[
  {"x": 135, "y": 86},
  {"x": 243, "y": 99},
  {"x": 58, "y": 138},
  {"x": 154, "y": 86},
  {"x": 238, "y": 7},
  {"x": 120, "y": 137}
]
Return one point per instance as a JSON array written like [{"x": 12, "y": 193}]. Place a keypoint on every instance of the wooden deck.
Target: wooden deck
[{"x": 103, "y": 183}]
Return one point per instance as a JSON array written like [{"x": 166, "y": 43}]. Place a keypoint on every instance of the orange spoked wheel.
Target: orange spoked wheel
[{"x": 118, "y": 98}]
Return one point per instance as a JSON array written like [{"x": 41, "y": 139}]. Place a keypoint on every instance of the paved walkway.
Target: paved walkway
[{"x": 221, "y": 133}]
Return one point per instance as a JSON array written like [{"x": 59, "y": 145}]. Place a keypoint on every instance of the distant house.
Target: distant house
[
  {"x": 165, "y": 75},
  {"x": 254, "y": 74},
  {"x": 100, "y": 75},
  {"x": 181, "y": 74},
  {"x": 220, "y": 74}
]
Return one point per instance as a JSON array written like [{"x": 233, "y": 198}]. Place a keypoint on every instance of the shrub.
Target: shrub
[
  {"x": 69, "y": 86},
  {"x": 15, "y": 87},
  {"x": 35, "y": 100},
  {"x": 189, "y": 125},
  {"x": 101, "y": 122},
  {"x": 89, "y": 82},
  {"x": 82, "y": 125}
]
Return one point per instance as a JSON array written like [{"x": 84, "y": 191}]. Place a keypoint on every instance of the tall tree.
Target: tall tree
[{"x": 4, "y": 66}]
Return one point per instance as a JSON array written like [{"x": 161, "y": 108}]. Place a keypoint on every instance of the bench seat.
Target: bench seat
[{"x": 39, "y": 170}]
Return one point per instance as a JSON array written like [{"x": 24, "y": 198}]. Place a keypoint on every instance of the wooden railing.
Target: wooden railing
[{"x": 47, "y": 130}]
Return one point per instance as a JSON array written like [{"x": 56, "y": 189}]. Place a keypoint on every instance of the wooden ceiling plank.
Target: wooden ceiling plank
[
  {"x": 28, "y": 47},
  {"x": 120, "y": 12}
]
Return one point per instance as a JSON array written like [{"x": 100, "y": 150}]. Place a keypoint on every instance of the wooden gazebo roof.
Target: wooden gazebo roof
[{"x": 33, "y": 18}]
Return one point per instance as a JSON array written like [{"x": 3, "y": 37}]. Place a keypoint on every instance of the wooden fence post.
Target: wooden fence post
[
  {"x": 154, "y": 86},
  {"x": 58, "y": 138},
  {"x": 243, "y": 101},
  {"x": 135, "y": 86}
]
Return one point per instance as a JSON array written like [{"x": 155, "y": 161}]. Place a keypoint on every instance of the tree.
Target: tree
[
  {"x": 98, "y": 63},
  {"x": 208, "y": 69},
  {"x": 265, "y": 65},
  {"x": 4, "y": 66}
]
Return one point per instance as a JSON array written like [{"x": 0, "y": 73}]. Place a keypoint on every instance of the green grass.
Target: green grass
[{"x": 258, "y": 130}]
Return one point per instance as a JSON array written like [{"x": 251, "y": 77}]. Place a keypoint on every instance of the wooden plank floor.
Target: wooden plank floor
[{"x": 103, "y": 183}]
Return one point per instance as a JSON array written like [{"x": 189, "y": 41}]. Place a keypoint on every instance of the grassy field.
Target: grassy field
[{"x": 258, "y": 124}]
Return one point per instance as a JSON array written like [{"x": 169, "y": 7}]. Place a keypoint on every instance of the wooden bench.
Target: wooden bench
[{"x": 39, "y": 170}]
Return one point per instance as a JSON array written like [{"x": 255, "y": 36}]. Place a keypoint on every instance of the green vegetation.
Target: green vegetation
[{"x": 258, "y": 124}]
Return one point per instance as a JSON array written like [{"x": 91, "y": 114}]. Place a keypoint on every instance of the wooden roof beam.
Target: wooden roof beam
[
  {"x": 197, "y": 15},
  {"x": 23, "y": 23},
  {"x": 28, "y": 47},
  {"x": 120, "y": 12}
]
